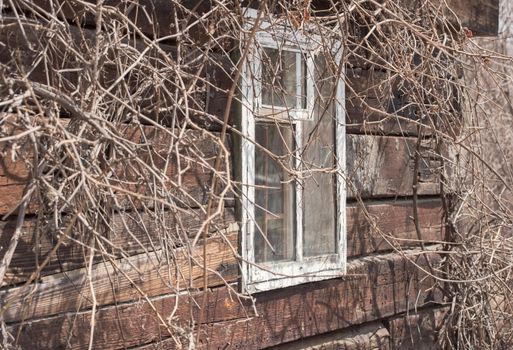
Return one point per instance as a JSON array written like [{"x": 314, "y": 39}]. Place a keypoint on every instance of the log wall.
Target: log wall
[{"x": 373, "y": 307}]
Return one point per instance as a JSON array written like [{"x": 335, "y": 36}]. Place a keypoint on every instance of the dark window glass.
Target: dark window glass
[
  {"x": 283, "y": 80},
  {"x": 275, "y": 207}
]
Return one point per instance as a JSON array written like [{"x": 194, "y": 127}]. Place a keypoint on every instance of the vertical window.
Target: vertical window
[
  {"x": 283, "y": 79},
  {"x": 275, "y": 198},
  {"x": 292, "y": 157}
]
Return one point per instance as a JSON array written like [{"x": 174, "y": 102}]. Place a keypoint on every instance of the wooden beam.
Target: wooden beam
[
  {"x": 188, "y": 166},
  {"x": 417, "y": 330},
  {"x": 377, "y": 167},
  {"x": 378, "y": 292},
  {"x": 154, "y": 18},
  {"x": 117, "y": 281},
  {"x": 135, "y": 233},
  {"x": 375, "y": 104},
  {"x": 384, "y": 167},
  {"x": 370, "y": 101},
  {"x": 380, "y": 227},
  {"x": 158, "y": 19},
  {"x": 204, "y": 97},
  {"x": 371, "y": 336},
  {"x": 479, "y": 16},
  {"x": 375, "y": 288}
]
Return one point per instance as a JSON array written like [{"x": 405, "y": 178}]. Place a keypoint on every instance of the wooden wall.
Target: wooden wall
[{"x": 385, "y": 301}]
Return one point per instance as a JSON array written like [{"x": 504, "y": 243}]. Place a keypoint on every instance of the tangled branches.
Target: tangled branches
[{"x": 117, "y": 125}]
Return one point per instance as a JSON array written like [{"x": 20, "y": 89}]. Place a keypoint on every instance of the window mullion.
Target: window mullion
[
  {"x": 299, "y": 82},
  {"x": 340, "y": 142},
  {"x": 257, "y": 79},
  {"x": 299, "y": 192},
  {"x": 310, "y": 88},
  {"x": 248, "y": 159}
]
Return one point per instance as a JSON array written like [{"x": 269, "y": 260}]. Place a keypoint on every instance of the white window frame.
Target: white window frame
[{"x": 258, "y": 277}]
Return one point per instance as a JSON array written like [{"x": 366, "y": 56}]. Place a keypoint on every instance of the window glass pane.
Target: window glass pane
[
  {"x": 283, "y": 81},
  {"x": 302, "y": 81},
  {"x": 274, "y": 195},
  {"x": 319, "y": 191}
]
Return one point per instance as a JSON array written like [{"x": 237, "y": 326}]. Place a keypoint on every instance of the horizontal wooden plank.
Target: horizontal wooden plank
[
  {"x": 185, "y": 157},
  {"x": 479, "y": 16},
  {"x": 380, "y": 227},
  {"x": 380, "y": 287},
  {"x": 119, "y": 281},
  {"x": 376, "y": 105},
  {"x": 134, "y": 234},
  {"x": 372, "y": 336},
  {"x": 154, "y": 18},
  {"x": 146, "y": 88},
  {"x": 384, "y": 167},
  {"x": 382, "y": 103},
  {"x": 417, "y": 330},
  {"x": 379, "y": 291},
  {"x": 377, "y": 167}
]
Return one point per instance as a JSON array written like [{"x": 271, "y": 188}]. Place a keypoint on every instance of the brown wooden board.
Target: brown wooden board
[
  {"x": 154, "y": 18},
  {"x": 380, "y": 227},
  {"x": 188, "y": 166},
  {"x": 417, "y": 330},
  {"x": 378, "y": 293},
  {"x": 384, "y": 167},
  {"x": 479, "y": 16},
  {"x": 377, "y": 167},
  {"x": 370, "y": 336},
  {"x": 160, "y": 16},
  {"x": 380, "y": 287},
  {"x": 376, "y": 105},
  {"x": 154, "y": 273},
  {"x": 374, "y": 102},
  {"x": 135, "y": 234},
  {"x": 62, "y": 69}
]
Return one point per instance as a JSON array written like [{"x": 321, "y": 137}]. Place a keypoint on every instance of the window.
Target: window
[{"x": 292, "y": 157}]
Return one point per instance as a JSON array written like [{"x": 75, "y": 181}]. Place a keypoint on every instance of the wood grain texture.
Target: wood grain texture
[
  {"x": 153, "y": 273},
  {"x": 160, "y": 16},
  {"x": 381, "y": 287},
  {"x": 154, "y": 18},
  {"x": 377, "y": 227},
  {"x": 201, "y": 101},
  {"x": 372, "y": 97},
  {"x": 381, "y": 226},
  {"x": 377, "y": 167},
  {"x": 378, "y": 292},
  {"x": 390, "y": 226},
  {"x": 382, "y": 103},
  {"x": 384, "y": 167},
  {"x": 135, "y": 234},
  {"x": 376, "y": 105},
  {"x": 480, "y": 16},
  {"x": 188, "y": 165},
  {"x": 371, "y": 336},
  {"x": 417, "y": 330}
]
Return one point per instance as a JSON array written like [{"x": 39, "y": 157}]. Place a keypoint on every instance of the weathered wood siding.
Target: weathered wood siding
[{"x": 372, "y": 307}]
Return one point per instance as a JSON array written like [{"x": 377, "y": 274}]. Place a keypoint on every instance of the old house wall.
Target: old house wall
[{"x": 394, "y": 226}]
